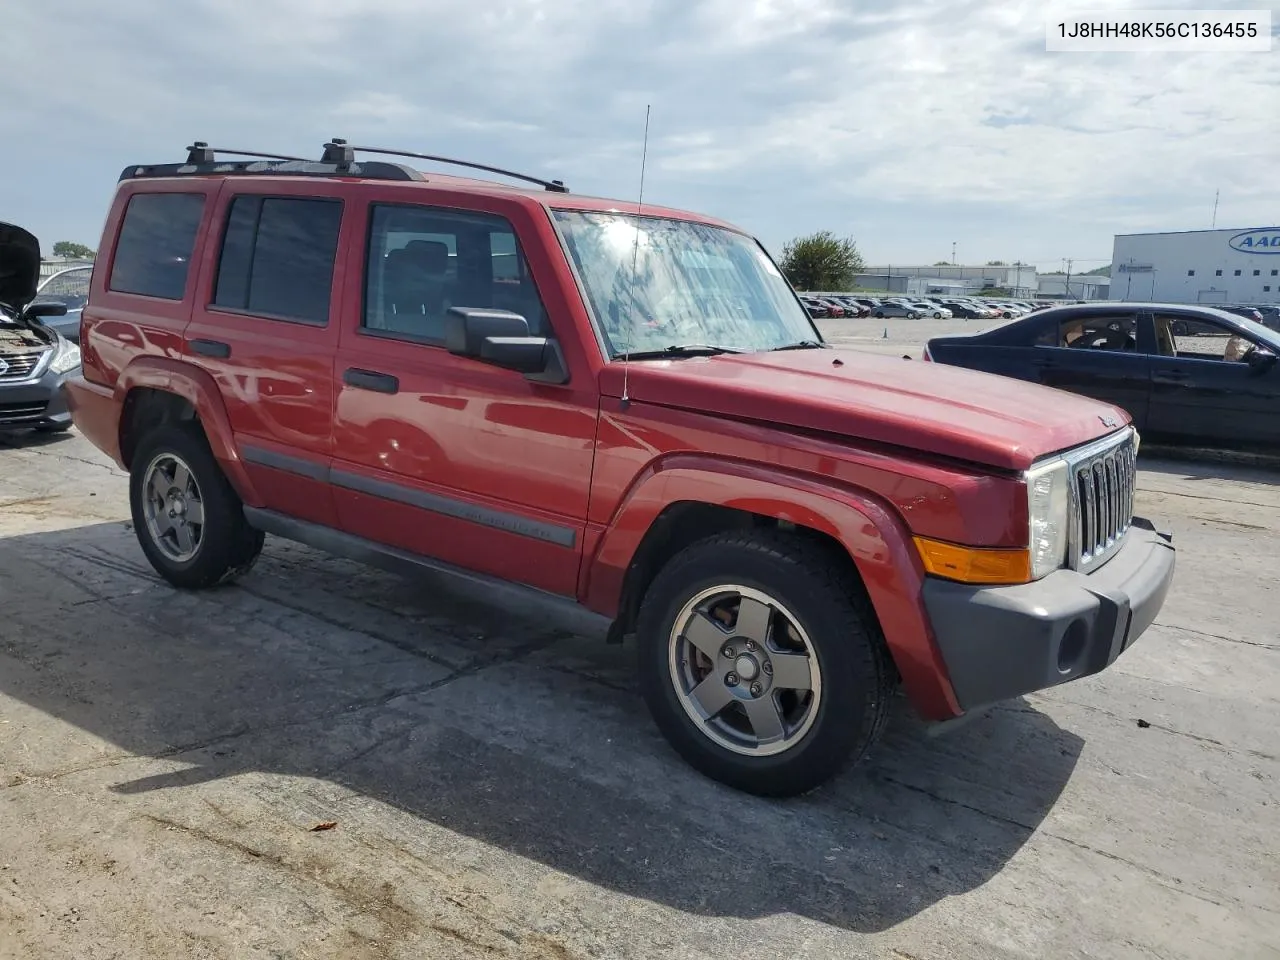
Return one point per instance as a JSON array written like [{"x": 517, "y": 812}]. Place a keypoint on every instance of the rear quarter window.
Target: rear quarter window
[{"x": 155, "y": 244}]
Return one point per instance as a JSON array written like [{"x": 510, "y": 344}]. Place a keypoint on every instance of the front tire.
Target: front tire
[
  {"x": 760, "y": 665},
  {"x": 188, "y": 520}
]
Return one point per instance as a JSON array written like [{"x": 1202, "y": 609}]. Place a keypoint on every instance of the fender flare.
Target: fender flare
[
  {"x": 871, "y": 532},
  {"x": 199, "y": 389}
]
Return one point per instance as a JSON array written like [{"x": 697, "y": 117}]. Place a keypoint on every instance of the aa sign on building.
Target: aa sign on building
[{"x": 1198, "y": 266}]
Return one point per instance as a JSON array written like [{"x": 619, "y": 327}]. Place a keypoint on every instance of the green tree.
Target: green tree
[
  {"x": 73, "y": 251},
  {"x": 943, "y": 263},
  {"x": 996, "y": 263},
  {"x": 1098, "y": 272},
  {"x": 821, "y": 261}
]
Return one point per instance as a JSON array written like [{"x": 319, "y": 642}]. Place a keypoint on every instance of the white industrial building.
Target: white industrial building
[
  {"x": 1198, "y": 266},
  {"x": 1018, "y": 278}
]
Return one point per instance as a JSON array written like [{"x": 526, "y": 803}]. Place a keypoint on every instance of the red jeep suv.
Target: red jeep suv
[{"x": 619, "y": 407}]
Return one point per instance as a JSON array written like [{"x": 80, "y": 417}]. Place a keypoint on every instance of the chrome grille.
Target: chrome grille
[
  {"x": 21, "y": 412},
  {"x": 19, "y": 366},
  {"x": 1102, "y": 490}
]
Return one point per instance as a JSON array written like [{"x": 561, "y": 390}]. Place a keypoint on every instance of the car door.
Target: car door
[
  {"x": 1095, "y": 355},
  {"x": 446, "y": 456},
  {"x": 262, "y": 327},
  {"x": 1203, "y": 390}
]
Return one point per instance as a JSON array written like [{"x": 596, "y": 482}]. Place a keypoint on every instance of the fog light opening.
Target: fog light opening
[{"x": 1071, "y": 649}]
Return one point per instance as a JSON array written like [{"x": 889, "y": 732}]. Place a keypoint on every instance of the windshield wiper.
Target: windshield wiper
[
  {"x": 680, "y": 350},
  {"x": 801, "y": 345}
]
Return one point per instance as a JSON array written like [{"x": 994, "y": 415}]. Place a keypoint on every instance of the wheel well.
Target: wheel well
[
  {"x": 146, "y": 408},
  {"x": 684, "y": 523}
]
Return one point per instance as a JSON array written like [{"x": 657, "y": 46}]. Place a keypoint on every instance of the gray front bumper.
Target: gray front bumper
[
  {"x": 35, "y": 402},
  {"x": 1002, "y": 642}
]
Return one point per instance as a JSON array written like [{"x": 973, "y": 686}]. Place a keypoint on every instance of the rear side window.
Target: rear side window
[
  {"x": 1114, "y": 333},
  {"x": 157, "y": 237},
  {"x": 277, "y": 258}
]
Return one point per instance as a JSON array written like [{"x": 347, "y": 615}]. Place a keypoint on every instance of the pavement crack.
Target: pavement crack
[
  {"x": 404, "y": 646},
  {"x": 592, "y": 678},
  {"x": 1200, "y": 496},
  {"x": 1166, "y": 880},
  {"x": 512, "y": 656},
  {"x": 1218, "y": 636},
  {"x": 109, "y": 467},
  {"x": 1207, "y": 741}
]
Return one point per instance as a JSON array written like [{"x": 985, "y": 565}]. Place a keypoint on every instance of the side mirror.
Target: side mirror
[
  {"x": 45, "y": 308},
  {"x": 1261, "y": 360},
  {"x": 501, "y": 338}
]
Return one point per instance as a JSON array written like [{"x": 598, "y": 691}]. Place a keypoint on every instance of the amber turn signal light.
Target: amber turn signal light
[{"x": 981, "y": 565}]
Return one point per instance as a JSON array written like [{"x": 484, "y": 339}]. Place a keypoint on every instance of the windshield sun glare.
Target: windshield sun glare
[{"x": 654, "y": 282}]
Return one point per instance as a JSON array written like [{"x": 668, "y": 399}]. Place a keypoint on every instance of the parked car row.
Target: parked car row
[{"x": 843, "y": 305}]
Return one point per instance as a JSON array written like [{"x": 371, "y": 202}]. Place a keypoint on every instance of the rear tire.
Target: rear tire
[
  {"x": 778, "y": 704},
  {"x": 188, "y": 520}
]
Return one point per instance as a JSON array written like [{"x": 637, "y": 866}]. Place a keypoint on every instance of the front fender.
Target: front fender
[
  {"x": 869, "y": 529},
  {"x": 199, "y": 389}
]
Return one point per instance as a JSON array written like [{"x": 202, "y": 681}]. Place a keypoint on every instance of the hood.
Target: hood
[
  {"x": 932, "y": 407},
  {"x": 19, "y": 266}
]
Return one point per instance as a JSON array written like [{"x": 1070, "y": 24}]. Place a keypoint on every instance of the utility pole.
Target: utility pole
[
  {"x": 1067, "y": 283},
  {"x": 1215, "y": 210},
  {"x": 1129, "y": 287},
  {"x": 953, "y": 253}
]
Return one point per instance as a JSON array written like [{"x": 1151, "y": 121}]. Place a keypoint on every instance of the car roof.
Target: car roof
[
  {"x": 202, "y": 163},
  {"x": 1134, "y": 306}
]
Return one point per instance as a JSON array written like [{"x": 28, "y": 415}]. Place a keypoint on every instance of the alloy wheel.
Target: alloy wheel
[
  {"x": 744, "y": 670},
  {"x": 173, "y": 507}
]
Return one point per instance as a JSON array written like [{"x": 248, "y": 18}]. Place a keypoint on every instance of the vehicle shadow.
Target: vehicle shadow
[
  {"x": 494, "y": 725},
  {"x": 25, "y": 438},
  {"x": 1197, "y": 464}
]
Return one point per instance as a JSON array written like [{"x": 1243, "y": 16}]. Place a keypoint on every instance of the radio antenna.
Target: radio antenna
[{"x": 635, "y": 264}]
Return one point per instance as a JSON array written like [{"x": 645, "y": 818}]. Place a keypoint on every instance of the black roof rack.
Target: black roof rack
[
  {"x": 202, "y": 160},
  {"x": 339, "y": 159},
  {"x": 340, "y": 152},
  {"x": 201, "y": 152}
]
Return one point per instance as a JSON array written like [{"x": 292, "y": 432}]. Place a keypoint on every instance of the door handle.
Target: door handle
[
  {"x": 210, "y": 348},
  {"x": 371, "y": 380},
  {"x": 1168, "y": 376}
]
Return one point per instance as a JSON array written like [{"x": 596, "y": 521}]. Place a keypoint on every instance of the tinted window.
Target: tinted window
[
  {"x": 153, "y": 252},
  {"x": 422, "y": 261},
  {"x": 1092, "y": 333},
  {"x": 277, "y": 257}
]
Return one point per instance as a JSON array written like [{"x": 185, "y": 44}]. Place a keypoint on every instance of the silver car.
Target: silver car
[
  {"x": 70, "y": 287},
  {"x": 887, "y": 309}
]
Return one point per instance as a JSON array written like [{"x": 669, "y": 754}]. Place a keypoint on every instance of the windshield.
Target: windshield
[{"x": 690, "y": 283}]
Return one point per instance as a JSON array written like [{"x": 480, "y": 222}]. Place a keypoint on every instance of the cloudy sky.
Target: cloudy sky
[{"x": 907, "y": 125}]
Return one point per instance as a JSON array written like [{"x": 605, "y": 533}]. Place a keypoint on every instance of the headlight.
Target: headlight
[
  {"x": 68, "y": 358},
  {"x": 1047, "y": 508}
]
